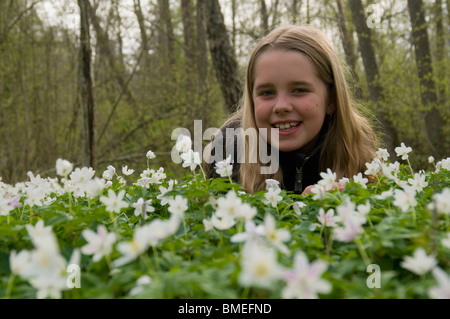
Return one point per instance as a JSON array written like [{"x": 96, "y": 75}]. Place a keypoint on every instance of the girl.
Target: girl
[{"x": 295, "y": 84}]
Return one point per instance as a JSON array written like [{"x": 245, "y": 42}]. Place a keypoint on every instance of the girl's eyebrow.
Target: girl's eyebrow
[{"x": 294, "y": 83}]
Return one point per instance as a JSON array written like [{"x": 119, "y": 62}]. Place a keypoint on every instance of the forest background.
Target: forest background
[{"x": 101, "y": 82}]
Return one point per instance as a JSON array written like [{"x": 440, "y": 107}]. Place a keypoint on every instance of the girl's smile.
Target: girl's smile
[{"x": 289, "y": 97}]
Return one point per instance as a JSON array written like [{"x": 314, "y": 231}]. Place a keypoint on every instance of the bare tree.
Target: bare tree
[
  {"x": 222, "y": 54},
  {"x": 86, "y": 94},
  {"x": 433, "y": 119},
  {"x": 371, "y": 70}
]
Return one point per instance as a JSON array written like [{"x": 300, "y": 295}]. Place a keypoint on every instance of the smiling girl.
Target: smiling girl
[{"x": 296, "y": 87}]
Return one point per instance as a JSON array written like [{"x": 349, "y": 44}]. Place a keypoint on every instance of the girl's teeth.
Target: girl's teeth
[{"x": 286, "y": 126}]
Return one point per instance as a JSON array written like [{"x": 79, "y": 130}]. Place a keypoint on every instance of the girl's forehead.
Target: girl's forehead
[{"x": 273, "y": 65}]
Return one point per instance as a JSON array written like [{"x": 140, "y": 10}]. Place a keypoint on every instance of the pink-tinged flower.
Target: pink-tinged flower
[
  {"x": 328, "y": 219},
  {"x": 351, "y": 229},
  {"x": 99, "y": 244},
  {"x": 442, "y": 290},
  {"x": 304, "y": 280}
]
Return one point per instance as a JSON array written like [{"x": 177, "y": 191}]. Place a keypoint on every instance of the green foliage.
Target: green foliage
[{"x": 198, "y": 262}]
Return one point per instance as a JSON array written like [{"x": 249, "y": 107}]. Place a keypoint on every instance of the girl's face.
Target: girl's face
[{"x": 289, "y": 97}]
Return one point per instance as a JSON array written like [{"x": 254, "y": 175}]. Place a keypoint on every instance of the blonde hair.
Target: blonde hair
[{"x": 350, "y": 141}]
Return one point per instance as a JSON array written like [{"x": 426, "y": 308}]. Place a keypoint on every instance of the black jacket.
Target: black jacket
[{"x": 299, "y": 170}]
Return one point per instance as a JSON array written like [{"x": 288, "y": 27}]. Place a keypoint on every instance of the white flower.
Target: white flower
[
  {"x": 63, "y": 167},
  {"x": 150, "y": 155},
  {"x": 382, "y": 154},
  {"x": 445, "y": 164},
  {"x": 252, "y": 232},
  {"x": 319, "y": 191},
  {"x": 343, "y": 181},
  {"x": 108, "y": 174},
  {"x": 222, "y": 222},
  {"x": 304, "y": 280},
  {"x": 20, "y": 262},
  {"x": 259, "y": 267},
  {"x": 126, "y": 171},
  {"x": 420, "y": 263},
  {"x": 229, "y": 205},
  {"x": 273, "y": 196},
  {"x": 272, "y": 183},
  {"x": 446, "y": 241},
  {"x": 275, "y": 236},
  {"x": 328, "y": 219},
  {"x": 162, "y": 197},
  {"x": 132, "y": 249},
  {"x": 246, "y": 212},
  {"x": 95, "y": 187},
  {"x": 224, "y": 168},
  {"x": 373, "y": 168},
  {"x": 5, "y": 208},
  {"x": 364, "y": 209},
  {"x": 442, "y": 290},
  {"x": 442, "y": 201},
  {"x": 359, "y": 179},
  {"x": 403, "y": 151},
  {"x": 99, "y": 244},
  {"x": 183, "y": 144},
  {"x": 297, "y": 207},
  {"x": 208, "y": 224},
  {"x": 191, "y": 159},
  {"x": 141, "y": 282},
  {"x": 178, "y": 206},
  {"x": 158, "y": 230},
  {"x": 328, "y": 179},
  {"x": 386, "y": 194},
  {"x": 418, "y": 182},
  {"x": 404, "y": 199},
  {"x": 431, "y": 159},
  {"x": 114, "y": 203},
  {"x": 142, "y": 207}
]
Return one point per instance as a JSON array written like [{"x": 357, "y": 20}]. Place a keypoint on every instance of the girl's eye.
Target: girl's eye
[
  {"x": 298, "y": 90},
  {"x": 266, "y": 93}
]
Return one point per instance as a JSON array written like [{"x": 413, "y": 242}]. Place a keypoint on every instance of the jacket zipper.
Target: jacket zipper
[{"x": 299, "y": 176}]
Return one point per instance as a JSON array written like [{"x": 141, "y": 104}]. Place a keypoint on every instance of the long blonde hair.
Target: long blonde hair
[{"x": 350, "y": 141}]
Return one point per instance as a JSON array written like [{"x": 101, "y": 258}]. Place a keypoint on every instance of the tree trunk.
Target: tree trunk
[
  {"x": 189, "y": 36},
  {"x": 86, "y": 96},
  {"x": 371, "y": 70},
  {"x": 222, "y": 54},
  {"x": 264, "y": 17},
  {"x": 347, "y": 43},
  {"x": 440, "y": 50},
  {"x": 433, "y": 119},
  {"x": 166, "y": 35}
]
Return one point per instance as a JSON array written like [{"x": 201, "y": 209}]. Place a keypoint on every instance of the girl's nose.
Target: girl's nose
[{"x": 282, "y": 104}]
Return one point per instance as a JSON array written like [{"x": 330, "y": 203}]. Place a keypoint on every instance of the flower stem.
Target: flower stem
[
  {"x": 362, "y": 252},
  {"x": 155, "y": 253},
  {"x": 10, "y": 286},
  {"x": 245, "y": 293}
]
